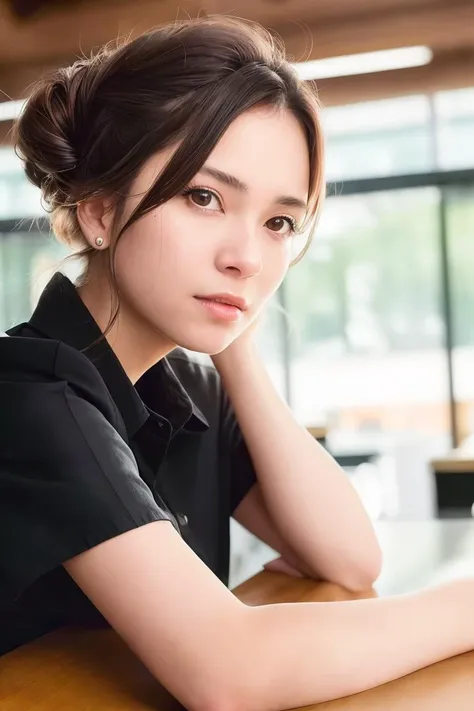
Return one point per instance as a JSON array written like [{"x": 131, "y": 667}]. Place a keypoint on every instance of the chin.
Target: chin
[
  {"x": 204, "y": 348},
  {"x": 210, "y": 344}
]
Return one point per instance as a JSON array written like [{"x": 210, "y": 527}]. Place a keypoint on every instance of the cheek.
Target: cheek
[
  {"x": 140, "y": 267},
  {"x": 276, "y": 264},
  {"x": 138, "y": 260},
  {"x": 158, "y": 256},
  {"x": 144, "y": 250}
]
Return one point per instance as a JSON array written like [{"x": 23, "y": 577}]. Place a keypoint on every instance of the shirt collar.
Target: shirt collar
[{"x": 62, "y": 315}]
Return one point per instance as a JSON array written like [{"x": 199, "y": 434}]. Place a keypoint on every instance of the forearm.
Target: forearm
[
  {"x": 309, "y": 497},
  {"x": 307, "y": 653}
]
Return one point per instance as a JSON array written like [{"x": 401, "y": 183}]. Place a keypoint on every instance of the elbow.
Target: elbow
[
  {"x": 359, "y": 583},
  {"x": 363, "y": 576},
  {"x": 355, "y": 573}
]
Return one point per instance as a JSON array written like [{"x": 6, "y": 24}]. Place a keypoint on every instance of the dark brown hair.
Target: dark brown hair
[{"x": 87, "y": 130}]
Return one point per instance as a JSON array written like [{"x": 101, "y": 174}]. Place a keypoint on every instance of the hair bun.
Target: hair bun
[{"x": 44, "y": 134}]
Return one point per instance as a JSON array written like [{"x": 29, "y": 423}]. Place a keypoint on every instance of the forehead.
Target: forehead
[{"x": 266, "y": 148}]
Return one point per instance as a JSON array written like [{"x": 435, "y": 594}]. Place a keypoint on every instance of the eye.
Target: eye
[
  {"x": 282, "y": 225},
  {"x": 203, "y": 198}
]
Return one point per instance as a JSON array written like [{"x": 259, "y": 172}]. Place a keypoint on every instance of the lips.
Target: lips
[{"x": 228, "y": 299}]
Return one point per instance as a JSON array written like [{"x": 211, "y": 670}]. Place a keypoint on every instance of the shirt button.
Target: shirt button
[{"x": 182, "y": 519}]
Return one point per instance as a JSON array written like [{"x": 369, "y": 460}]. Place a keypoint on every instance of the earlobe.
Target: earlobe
[{"x": 95, "y": 218}]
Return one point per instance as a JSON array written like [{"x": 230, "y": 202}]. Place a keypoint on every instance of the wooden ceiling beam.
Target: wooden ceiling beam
[
  {"x": 273, "y": 13},
  {"x": 15, "y": 79},
  {"x": 79, "y": 28},
  {"x": 441, "y": 27}
]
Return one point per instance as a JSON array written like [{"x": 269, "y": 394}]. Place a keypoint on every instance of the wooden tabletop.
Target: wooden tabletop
[
  {"x": 77, "y": 670},
  {"x": 456, "y": 461},
  {"x": 318, "y": 431}
]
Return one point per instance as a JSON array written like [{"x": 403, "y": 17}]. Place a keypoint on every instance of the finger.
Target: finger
[{"x": 279, "y": 565}]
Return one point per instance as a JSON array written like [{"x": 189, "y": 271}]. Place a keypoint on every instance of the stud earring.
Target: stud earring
[{"x": 99, "y": 241}]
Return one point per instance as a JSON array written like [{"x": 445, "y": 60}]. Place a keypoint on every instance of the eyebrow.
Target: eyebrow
[{"x": 236, "y": 184}]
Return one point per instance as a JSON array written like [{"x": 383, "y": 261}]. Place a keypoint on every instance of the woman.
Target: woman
[{"x": 180, "y": 165}]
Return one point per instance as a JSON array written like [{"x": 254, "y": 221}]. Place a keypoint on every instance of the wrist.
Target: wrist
[{"x": 237, "y": 355}]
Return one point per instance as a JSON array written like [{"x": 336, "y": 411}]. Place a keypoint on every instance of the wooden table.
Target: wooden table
[
  {"x": 74, "y": 670},
  {"x": 319, "y": 432}
]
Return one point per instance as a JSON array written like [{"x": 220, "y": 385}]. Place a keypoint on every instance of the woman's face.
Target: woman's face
[{"x": 227, "y": 238}]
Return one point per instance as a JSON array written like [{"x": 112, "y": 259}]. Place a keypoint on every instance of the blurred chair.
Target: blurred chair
[{"x": 454, "y": 476}]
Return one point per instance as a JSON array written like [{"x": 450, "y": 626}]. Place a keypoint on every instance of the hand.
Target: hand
[
  {"x": 279, "y": 565},
  {"x": 242, "y": 345}
]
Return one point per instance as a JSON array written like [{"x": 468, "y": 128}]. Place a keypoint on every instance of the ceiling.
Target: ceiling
[
  {"x": 43, "y": 30},
  {"x": 27, "y": 8},
  {"x": 283, "y": 8},
  {"x": 38, "y": 34}
]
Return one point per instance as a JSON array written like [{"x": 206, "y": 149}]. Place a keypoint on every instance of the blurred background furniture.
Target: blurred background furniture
[
  {"x": 319, "y": 433},
  {"x": 454, "y": 474}
]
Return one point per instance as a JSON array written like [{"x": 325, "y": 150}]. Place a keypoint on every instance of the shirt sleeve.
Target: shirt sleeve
[
  {"x": 68, "y": 480},
  {"x": 243, "y": 475}
]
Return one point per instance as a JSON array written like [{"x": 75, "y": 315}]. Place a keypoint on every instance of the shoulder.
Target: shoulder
[
  {"x": 68, "y": 479},
  {"x": 27, "y": 358},
  {"x": 37, "y": 373}
]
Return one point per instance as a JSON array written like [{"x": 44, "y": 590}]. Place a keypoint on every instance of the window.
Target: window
[
  {"x": 460, "y": 224},
  {"x": 455, "y": 129},
  {"x": 367, "y": 346},
  {"x": 27, "y": 261},
  {"x": 379, "y": 138},
  {"x": 18, "y": 197}
]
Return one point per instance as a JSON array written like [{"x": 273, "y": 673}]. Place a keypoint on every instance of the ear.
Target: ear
[{"x": 96, "y": 219}]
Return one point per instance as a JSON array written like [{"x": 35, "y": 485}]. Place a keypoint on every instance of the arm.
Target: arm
[
  {"x": 216, "y": 654},
  {"x": 252, "y": 514},
  {"x": 312, "y": 504}
]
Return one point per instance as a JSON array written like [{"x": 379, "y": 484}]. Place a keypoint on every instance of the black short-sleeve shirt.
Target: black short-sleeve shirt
[{"x": 85, "y": 456}]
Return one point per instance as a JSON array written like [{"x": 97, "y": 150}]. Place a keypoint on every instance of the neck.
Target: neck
[{"x": 136, "y": 344}]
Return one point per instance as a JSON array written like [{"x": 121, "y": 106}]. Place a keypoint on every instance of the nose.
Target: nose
[{"x": 240, "y": 253}]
